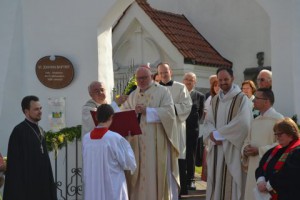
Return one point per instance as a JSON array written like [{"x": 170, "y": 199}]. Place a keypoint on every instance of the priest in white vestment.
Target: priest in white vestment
[
  {"x": 260, "y": 138},
  {"x": 182, "y": 105},
  {"x": 97, "y": 92},
  {"x": 227, "y": 125},
  {"x": 106, "y": 155},
  {"x": 156, "y": 149}
]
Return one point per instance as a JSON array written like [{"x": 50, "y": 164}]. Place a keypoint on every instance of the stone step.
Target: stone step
[{"x": 200, "y": 191}]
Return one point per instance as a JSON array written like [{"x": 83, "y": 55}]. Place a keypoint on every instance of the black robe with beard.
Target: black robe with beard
[{"x": 29, "y": 173}]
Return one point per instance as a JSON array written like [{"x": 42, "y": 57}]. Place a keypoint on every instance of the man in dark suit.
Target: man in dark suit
[{"x": 192, "y": 127}]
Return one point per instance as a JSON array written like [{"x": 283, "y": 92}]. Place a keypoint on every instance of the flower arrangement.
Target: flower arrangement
[
  {"x": 131, "y": 85},
  {"x": 129, "y": 79},
  {"x": 57, "y": 140}
]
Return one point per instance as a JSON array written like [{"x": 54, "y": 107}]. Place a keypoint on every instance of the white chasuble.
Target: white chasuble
[
  {"x": 224, "y": 170},
  {"x": 183, "y": 105},
  {"x": 150, "y": 181},
  {"x": 261, "y": 136}
]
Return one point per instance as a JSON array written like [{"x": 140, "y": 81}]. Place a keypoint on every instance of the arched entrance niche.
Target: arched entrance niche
[{"x": 104, "y": 40}]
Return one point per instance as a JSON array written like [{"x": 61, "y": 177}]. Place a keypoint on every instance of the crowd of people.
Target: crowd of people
[{"x": 247, "y": 149}]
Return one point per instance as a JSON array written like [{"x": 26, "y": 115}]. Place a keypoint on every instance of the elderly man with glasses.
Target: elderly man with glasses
[
  {"x": 156, "y": 149},
  {"x": 97, "y": 92},
  {"x": 264, "y": 79},
  {"x": 260, "y": 138}
]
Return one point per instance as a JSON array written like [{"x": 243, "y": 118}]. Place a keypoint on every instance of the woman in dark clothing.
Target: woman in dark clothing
[{"x": 279, "y": 169}]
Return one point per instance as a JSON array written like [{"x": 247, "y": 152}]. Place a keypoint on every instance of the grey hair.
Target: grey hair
[
  {"x": 191, "y": 74},
  {"x": 267, "y": 72},
  {"x": 94, "y": 83}
]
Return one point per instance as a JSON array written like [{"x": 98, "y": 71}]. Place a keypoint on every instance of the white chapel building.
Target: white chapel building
[{"x": 102, "y": 38}]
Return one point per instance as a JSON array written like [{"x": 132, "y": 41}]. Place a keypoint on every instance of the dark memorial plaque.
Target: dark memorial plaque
[{"x": 56, "y": 72}]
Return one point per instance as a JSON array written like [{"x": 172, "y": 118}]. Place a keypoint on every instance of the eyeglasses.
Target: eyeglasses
[
  {"x": 142, "y": 78},
  {"x": 262, "y": 79},
  {"x": 255, "y": 97},
  {"x": 98, "y": 91}
]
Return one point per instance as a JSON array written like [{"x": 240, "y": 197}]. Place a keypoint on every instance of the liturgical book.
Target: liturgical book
[{"x": 125, "y": 123}]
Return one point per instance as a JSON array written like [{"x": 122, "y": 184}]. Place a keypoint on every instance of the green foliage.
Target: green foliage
[
  {"x": 198, "y": 170},
  {"x": 57, "y": 140},
  {"x": 130, "y": 85}
]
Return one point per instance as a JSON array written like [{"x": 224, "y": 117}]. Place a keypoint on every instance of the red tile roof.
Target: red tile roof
[{"x": 185, "y": 37}]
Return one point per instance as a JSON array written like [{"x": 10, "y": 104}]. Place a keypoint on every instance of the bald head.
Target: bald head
[
  {"x": 190, "y": 74},
  {"x": 189, "y": 80},
  {"x": 144, "y": 69}
]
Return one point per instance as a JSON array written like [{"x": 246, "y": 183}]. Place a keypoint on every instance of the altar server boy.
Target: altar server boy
[{"x": 106, "y": 155}]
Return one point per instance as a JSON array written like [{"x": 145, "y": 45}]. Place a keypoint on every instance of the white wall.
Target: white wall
[
  {"x": 285, "y": 40},
  {"x": 12, "y": 83},
  {"x": 32, "y": 29}
]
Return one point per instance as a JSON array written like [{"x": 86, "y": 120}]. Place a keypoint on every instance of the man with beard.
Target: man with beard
[
  {"x": 227, "y": 125},
  {"x": 29, "y": 173}
]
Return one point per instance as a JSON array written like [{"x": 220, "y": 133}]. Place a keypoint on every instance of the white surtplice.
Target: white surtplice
[
  {"x": 223, "y": 161},
  {"x": 261, "y": 136},
  {"x": 104, "y": 162},
  {"x": 183, "y": 105}
]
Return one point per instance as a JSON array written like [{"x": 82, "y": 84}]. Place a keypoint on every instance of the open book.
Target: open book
[{"x": 125, "y": 123}]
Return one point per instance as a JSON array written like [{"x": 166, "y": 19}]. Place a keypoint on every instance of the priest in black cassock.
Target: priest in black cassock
[{"x": 29, "y": 173}]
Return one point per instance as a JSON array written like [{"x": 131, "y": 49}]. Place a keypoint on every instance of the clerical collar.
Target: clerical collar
[
  {"x": 32, "y": 122},
  {"x": 221, "y": 93},
  {"x": 170, "y": 83}
]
